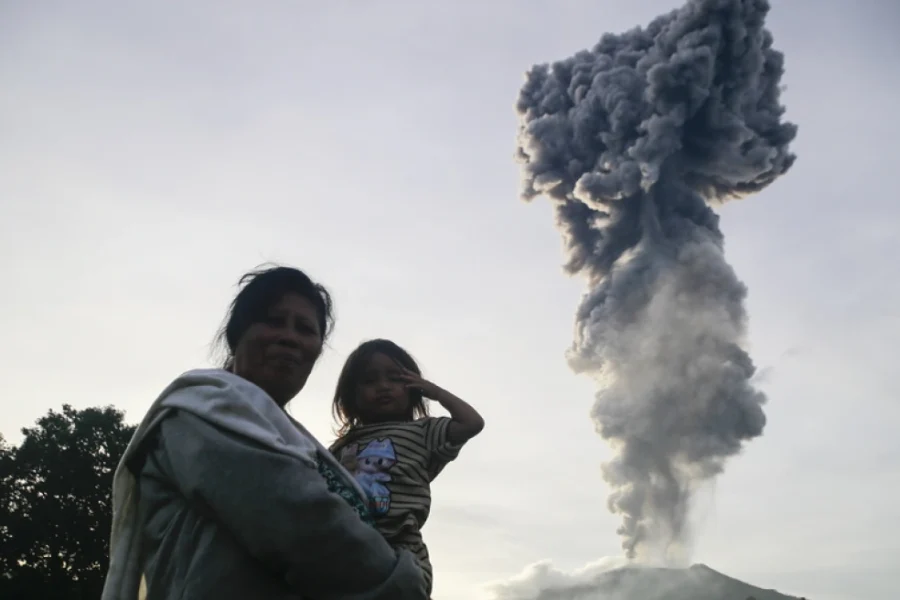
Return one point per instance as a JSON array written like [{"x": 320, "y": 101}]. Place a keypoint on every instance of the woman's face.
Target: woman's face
[{"x": 278, "y": 353}]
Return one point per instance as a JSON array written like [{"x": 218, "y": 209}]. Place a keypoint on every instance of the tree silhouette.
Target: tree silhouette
[{"x": 55, "y": 504}]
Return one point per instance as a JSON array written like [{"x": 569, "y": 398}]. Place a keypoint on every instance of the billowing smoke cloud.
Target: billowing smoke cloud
[{"x": 633, "y": 140}]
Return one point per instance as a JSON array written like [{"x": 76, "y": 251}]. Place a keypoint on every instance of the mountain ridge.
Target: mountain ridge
[{"x": 698, "y": 582}]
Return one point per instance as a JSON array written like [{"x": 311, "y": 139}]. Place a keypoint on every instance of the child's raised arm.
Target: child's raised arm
[{"x": 465, "y": 422}]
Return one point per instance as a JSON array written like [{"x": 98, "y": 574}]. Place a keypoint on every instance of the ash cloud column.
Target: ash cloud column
[{"x": 633, "y": 140}]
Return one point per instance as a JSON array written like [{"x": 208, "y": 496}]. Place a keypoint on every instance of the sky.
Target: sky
[{"x": 150, "y": 153}]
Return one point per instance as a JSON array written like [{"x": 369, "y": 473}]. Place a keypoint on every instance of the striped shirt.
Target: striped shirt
[{"x": 395, "y": 464}]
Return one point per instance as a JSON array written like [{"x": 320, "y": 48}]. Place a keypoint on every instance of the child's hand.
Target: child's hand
[{"x": 416, "y": 382}]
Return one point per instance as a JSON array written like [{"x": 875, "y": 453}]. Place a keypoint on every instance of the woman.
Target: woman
[{"x": 222, "y": 495}]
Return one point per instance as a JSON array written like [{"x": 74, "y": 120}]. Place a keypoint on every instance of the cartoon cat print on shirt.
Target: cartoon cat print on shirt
[{"x": 370, "y": 467}]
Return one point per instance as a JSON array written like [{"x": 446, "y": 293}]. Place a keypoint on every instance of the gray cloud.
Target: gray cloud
[{"x": 633, "y": 140}]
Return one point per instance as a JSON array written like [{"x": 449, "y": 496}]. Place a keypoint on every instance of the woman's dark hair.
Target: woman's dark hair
[
  {"x": 344, "y": 408},
  {"x": 259, "y": 291}
]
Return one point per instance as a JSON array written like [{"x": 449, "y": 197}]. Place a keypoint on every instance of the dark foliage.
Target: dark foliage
[{"x": 55, "y": 504}]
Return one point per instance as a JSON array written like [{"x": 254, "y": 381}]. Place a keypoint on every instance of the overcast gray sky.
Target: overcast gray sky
[{"x": 151, "y": 152}]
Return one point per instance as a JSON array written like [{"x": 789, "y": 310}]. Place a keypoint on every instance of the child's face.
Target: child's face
[{"x": 382, "y": 393}]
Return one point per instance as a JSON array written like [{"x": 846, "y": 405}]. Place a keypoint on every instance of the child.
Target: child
[{"x": 391, "y": 445}]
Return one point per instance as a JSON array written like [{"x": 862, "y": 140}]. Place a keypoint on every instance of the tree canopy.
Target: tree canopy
[{"x": 56, "y": 505}]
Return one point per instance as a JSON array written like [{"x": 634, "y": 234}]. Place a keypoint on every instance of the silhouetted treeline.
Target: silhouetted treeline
[{"x": 55, "y": 504}]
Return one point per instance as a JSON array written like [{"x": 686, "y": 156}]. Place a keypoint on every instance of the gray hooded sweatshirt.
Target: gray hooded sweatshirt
[{"x": 223, "y": 517}]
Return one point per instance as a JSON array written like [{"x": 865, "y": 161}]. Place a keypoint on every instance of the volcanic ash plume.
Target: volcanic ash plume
[{"x": 632, "y": 140}]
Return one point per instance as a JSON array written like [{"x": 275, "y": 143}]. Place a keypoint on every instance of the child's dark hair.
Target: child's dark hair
[{"x": 344, "y": 408}]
